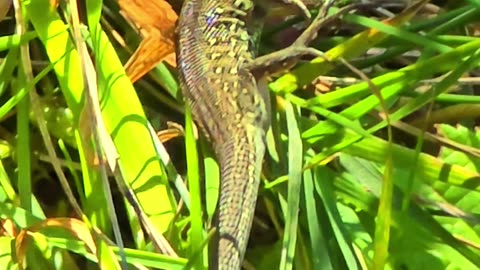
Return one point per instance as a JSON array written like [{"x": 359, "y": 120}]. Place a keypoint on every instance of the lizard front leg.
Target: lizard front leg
[{"x": 284, "y": 59}]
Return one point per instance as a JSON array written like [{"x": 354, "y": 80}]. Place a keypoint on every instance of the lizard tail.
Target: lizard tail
[{"x": 241, "y": 163}]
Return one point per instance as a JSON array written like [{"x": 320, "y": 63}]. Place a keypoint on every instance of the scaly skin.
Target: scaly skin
[
  {"x": 217, "y": 66},
  {"x": 213, "y": 50}
]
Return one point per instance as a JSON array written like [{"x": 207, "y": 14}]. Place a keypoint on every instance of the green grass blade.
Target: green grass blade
[
  {"x": 324, "y": 188},
  {"x": 193, "y": 173},
  {"x": 295, "y": 161},
  {"x": 23, "y": 141},
  {"x": 320, "y": 252}
]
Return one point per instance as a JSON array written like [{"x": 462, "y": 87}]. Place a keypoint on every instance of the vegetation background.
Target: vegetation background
[{"x": 372, "y": 161}]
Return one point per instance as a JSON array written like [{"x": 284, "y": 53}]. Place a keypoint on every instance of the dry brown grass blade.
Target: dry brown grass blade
[
  {"x": 468, "y": 150},
  {"x": 74, "y": 226},
  {"x": 174, "y": 130},
  {"x": 7, "y": 228},
  {"x": 4, "y": 8},
  {"x": 91, "y": 117},
  {"x": 450, "y": 114},
  {"x": 155, "y": 20}
]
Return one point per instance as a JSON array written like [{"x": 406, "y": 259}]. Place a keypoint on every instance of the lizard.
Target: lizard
[
  {"x": 212, "y": 49},
  {"x": 218, "y": 76}
]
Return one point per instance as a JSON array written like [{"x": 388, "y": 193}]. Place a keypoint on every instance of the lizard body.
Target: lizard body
[
  {"x": 218, "y": 73},
  {"x": 213, "y": 51}
]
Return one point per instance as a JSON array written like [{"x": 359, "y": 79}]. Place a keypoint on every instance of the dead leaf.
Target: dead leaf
[
  {"x": 8, "y": 228},
  {"x": 152, "y": 50},
  {"x": 155, "y": 21},
  {"x": 174, "y": 130},
  {"x": 76, "y": 227}
]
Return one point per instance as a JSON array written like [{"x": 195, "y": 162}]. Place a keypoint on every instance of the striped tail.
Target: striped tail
[{"x": 241, "y": 163}]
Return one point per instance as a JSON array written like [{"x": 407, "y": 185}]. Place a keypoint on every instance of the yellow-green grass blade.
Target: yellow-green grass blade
[
  {"x": 122, "y": 112},
  {"x": 193, "y": 175}
]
